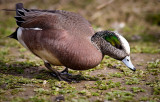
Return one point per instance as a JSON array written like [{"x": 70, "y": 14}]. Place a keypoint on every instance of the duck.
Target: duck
[{"x": 63, "y": 38}]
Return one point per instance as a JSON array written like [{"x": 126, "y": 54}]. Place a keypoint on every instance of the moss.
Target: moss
[
  {"x": 2, "y": 91},
  {"x": 144, "y": 98},
  {"x": 137, "y": 89},
  {"x": 44, "y": 75},
  {"x": 118, "y": 95},
  {"x": 16, "y": 91},
  {"x": 22, "y": 49},
  {"x": 95, "y": 94},
  {"x": 3, "y": 98},
  {"x": 130, "y": 81},
  {"x": 104, "y": 85},
  {"x": 18, "y": 99},
  {"x": 16, "y": 67},
  {"x": 116, "y": 74},
  {"x": 31, "y": 99},
  {"x": 42, "y": 91},
  {"x": 154, "y": 67},
  {"x": 39, "y": 99},
  {"x": 80, "y": 99},
  {"x": 85, "y": 93},
  {"x": 156, "y": 90},
  {"x": 61, "y": 87},
  {"x": 122, "y": 88},
  {"x": 140, "y": 73},
  {"x": 11, "y": 83},
  {"x": 148, "y": 47}
]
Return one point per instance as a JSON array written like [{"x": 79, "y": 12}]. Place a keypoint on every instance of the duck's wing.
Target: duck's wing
[
  {"x": 54, "y": 19},
  {"x": 35, "y": 19}
]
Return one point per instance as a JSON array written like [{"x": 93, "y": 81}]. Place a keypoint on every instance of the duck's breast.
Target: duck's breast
[{"x": 78, "y": 53}]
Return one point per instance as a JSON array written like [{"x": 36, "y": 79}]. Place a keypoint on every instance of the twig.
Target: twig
[{"x": 104, "y": 4}]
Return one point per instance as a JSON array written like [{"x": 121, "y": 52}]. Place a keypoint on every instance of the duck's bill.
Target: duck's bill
[{"x": 128, "y": 63}]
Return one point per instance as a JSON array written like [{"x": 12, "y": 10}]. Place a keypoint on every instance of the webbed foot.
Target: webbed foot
[{"x": 62, "y": 76}]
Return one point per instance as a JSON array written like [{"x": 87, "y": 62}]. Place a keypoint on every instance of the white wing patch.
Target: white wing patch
[
  {"x": 32, "y": 28},
  {"x": 124, "y": 42},
  {"x": 19, "y": 36}
]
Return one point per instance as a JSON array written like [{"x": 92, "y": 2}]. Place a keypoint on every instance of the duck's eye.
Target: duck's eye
[{"x": 127, "y": 59}]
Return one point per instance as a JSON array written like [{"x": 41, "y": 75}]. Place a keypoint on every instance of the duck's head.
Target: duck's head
[{"x": 114, "y": 45}]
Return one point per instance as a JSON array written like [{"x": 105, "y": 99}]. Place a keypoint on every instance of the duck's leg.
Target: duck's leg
[
  {"x": 65, "y": 72},
  {"x": 57, "y": 74}
]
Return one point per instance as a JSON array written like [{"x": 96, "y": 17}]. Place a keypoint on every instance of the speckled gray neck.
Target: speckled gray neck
[{"x": 105, "y": 47}]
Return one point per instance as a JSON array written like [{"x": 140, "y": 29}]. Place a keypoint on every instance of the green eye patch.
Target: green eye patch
[{"x": 113, "y": 40}]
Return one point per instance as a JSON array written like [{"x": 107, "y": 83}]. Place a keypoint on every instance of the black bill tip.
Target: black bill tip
[{"x": 133, "y": 69}]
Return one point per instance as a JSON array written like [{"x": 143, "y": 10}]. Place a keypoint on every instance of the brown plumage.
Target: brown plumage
[
  {"x": 64, "y": 35},
  {"x": 64, "y": 38}
]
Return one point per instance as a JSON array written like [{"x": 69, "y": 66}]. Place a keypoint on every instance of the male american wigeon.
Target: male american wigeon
[{"x": 63, "y": 38}]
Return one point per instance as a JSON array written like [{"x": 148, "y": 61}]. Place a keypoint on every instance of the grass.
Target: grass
[
  {"x": 141, "y": 47},
  {"x": 102, "y": 89},
  {"x": 131, "y": 81},
  {"x": 118, "y": 95},
  {"x": 137, "y": 89}
]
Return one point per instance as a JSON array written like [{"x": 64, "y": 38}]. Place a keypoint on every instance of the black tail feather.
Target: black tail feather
[
  {"x": 19, "y": 23},
  {"x": 19, "y": 18},
  {"x": 13, "y": 35},
  {"x": 19, "y": 12}
]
